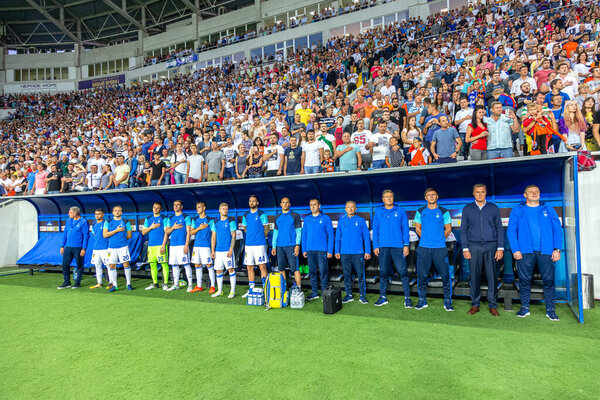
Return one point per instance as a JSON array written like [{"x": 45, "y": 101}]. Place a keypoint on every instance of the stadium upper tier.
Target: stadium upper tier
[{"x": 483, "y": 81}]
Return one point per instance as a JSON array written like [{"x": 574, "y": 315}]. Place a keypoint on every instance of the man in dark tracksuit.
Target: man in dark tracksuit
[
  {"x": 433, "y": 225},
  {"x": 535, "y": 236},
  {"x": 482, "y": 238},
  {"x": 391, "y": 240},
  {"x": 317, "y": 247},
  {"x": 353, "y": 247},
  {"x": 75, "y": 241}
]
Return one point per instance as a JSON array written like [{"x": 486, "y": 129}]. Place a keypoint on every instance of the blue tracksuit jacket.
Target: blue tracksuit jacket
[
  {"x": 390, "y": 227},
  {"x": 352, "y": 236},
  {"x": 519, "y": 233},
  {"x": 77, "y": 233},
  {"x": 317, "y": 233}
]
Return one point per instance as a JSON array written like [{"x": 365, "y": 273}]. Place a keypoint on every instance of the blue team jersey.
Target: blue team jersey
[
  {"x": 255, "y": 231},
  {"x": 223, "y": 229},
  {"x": 156, "y": 236},
  {"x": 178, "y": 236},
  {"x": 100, "y": 242},
  {"x": 203, "y": 235},
  {"x": 287, "y": 226},
  {"x": 432, "y": 226},
  {"x": 119, "y": 239}
]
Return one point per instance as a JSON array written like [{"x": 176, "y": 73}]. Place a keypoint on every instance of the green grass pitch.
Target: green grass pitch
[{"x": 84, "y": 344}]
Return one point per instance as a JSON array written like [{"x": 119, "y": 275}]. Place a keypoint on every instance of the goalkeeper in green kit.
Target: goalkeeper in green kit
[{"x": 154, "y": 227}]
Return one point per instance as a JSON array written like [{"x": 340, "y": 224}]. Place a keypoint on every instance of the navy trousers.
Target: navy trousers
[
  {"x": 482, "y": 259},
  {"x": 69, "y": 254},
  {"x": 439, "y": 258},
  {"x": 354, "y": 262},
  {"x": 387, "y": 255},
  {"x": 286, "y": 258},
  {"x": 525, "y": 268},
  {"x": 317, "y": 264}
]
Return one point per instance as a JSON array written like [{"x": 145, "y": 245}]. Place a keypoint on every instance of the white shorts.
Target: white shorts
[
  {"x": 223, "y": 262},
  {"x": 39, "y": 191},
  {"x": 118, "y": 256},
  {"x": 100, "y": 257},
  {"x": 201, "y": 255},
  {"x": 177, "y": 256},
  {"x": 255, "y": 255}
]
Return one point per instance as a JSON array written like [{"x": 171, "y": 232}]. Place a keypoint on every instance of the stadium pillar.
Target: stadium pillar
[
  {"x": 196, "y": 18},
  {"x": 142, "y": 35},
  {"x": 258, "y": 13},
  {"x": 78, "y": 49},
  {"x": 3, "y": 51}
]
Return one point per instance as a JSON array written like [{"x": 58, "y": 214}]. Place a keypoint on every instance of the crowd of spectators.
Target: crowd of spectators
[
  {"x": 503, "y": 80},
  {"x": 269, "y": 29}
]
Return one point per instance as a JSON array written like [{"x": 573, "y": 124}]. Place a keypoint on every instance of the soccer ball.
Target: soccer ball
[{"x": 182, "y": 283}]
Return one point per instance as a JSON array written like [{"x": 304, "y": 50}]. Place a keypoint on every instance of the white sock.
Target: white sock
[
  {"x": 211, "y": 275},
  {"x": 188, "y": 273},
  {"x": 112, "y": 276},
  {"x": 128, "y": 275},
  {"x": 199, "y": 277},
  {"x": 99, "y": 274},
  {"x": 232, "y": 280},
  {"x": 176, "y": 275},
  {"x": 220, "y": 281}
]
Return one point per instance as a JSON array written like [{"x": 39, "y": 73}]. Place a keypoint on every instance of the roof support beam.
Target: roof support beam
[
  {"x": 123, "y": 12},
  {"x": 50, "y": 18},
  {"x": 196, "y": 8},
  {"x": 191, "y": 6}
]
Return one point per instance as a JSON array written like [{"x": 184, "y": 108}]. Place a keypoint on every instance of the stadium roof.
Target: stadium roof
[{"x": 62, "y": 23}]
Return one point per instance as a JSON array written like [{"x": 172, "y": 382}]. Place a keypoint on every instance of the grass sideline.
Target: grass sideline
[{"x": 92, "y": 344}]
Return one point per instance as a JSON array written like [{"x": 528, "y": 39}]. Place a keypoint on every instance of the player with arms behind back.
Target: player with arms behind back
[
  {"x": 201, "y": 253},
  {"x": 100, "y": 252},
  {"x": 222, "y": 244}
]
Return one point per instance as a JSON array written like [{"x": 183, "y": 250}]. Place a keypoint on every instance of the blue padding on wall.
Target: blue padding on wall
[{"x": 47, "y": 250}]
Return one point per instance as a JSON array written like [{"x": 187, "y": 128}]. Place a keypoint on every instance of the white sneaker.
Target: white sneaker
[
  {"x": 165, "y": 287},
  {"x": 231, "y": 295},
  {"x": 217, "y": 294},
  {"x": 172, "y": 288},
  {"x": 245, "y": 294},
  {"x": 190, "y": 288},
  {"x": 153, "y": 286}
]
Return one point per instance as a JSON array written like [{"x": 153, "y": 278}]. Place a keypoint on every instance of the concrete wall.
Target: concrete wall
[{"x": 19, "y": 227}]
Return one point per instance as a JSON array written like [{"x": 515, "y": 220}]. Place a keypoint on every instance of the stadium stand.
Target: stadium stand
[{"x": 483, "y": 53}]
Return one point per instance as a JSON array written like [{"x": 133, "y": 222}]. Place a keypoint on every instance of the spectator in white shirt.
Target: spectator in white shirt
[
  {"x": 93, "y": 178},
  {"x": 274, "y": 156},
  {"x": 312, "y": 153},
  {"x": 515, "y": 89},
  {"x": 379, "y": 143},
  {"x": 196, "y": 162}
]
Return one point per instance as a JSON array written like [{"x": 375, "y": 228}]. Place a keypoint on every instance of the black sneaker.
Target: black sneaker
[
  {"x": 64, "y": 286},
  {"x": 75, "y": 286}
]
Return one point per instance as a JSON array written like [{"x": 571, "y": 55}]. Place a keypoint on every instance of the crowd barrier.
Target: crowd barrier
[{"x": 505, "y": 179}]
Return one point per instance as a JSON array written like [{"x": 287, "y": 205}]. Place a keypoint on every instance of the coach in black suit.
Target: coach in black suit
[{"x": 482, "y": 238}]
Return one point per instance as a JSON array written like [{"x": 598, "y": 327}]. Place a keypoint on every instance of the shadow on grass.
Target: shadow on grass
[{"x": 434, "y": 315}]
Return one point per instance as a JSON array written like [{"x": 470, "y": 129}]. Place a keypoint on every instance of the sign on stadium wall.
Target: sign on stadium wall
[
  {"x": 102, "y": 82},
  {"x": 39, "y": 87},
  {"x": 182, "y": 60}
]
